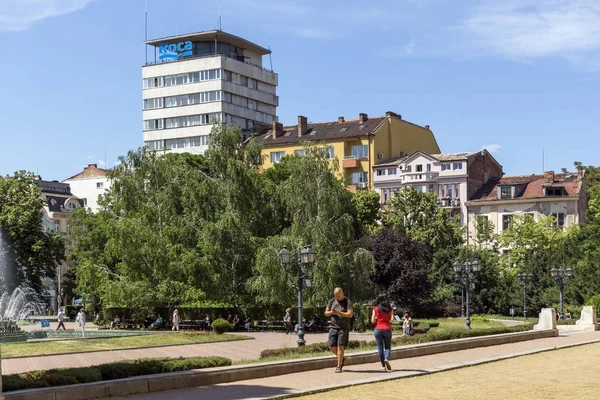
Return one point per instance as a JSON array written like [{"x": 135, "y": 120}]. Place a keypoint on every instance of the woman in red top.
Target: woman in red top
[{"x": 382, "y": 319}]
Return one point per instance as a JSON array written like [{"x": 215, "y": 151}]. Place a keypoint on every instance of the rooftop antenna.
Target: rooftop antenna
[
  {"x": 270, "y": 59},
  {"x": 543, "y": 166},
  {"x": 220, "y": 15},
  {"x": 146, "y": 33}
]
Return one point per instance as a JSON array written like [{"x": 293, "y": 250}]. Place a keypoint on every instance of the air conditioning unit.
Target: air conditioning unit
[
  {"x": 402, "y": 154},
  {"x": 380, "y": 155},
  {"x": 362, "y": 185}
]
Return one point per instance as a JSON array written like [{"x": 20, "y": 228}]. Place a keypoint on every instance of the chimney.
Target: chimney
[
  {"x": 37, "y": 177},
  {"x": 580, "y": 173},
  {"x": 340, "y": 120},
  {"x": 549, "y": 176},
  {"x": 91, "y": 165},
  {"x": 427, "y": 127},
  {"x": 302, "y": 125},
  {"x": 276, "y": 129},
  {"x": 393, "y": 115},
  {"x": 362, "y": 117}
]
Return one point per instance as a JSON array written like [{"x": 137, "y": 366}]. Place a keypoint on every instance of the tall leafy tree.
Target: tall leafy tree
[
  {"x": 319, "y": 211},
  {"x": 36, "y": 254},
  {"x": 419, "y": 216},
  {"x": 401, "y": 268}
]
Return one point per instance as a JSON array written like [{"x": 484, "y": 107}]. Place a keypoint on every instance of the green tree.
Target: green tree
[
  {"x": 319, "y": 211},
  {"x": 367, "y": 206},
  {"x": 422, "y": 219},
  {"x": 36, "y": 254}
]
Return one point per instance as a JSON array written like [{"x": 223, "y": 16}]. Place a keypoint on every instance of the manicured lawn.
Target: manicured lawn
[
  {"x": 80, "y": 345},
  {"x": 558, "y": 374}
]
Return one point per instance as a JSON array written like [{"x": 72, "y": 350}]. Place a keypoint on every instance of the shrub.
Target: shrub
[
  {"x": 420, "y": 327},
  {"x": 117, "y": 370},
  {"x": 594, "y": 301},
  {"x": 434, "y": 324},
  {"x": 311, "y": 348},
  {"x": 220, "y": 326},
  {"x": 566, "y": 322}
]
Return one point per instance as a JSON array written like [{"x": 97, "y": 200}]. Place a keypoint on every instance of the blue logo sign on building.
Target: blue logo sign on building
[{"x": 174, "y": 50}]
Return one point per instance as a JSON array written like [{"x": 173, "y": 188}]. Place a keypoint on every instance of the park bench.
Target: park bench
[{"x": 197, "y": 325}]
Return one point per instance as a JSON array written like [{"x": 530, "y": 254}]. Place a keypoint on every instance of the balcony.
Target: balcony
[
  {"x": 449, "y": 203},
  {"x": 419, "y": 176},
  {"x": 350, "y": 162}
]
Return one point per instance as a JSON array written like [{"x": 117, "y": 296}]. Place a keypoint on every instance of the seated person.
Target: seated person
[
  {"x": 158, "y": 323},
  {"x": 248, "y": 324},
  {"x": 115, "y": 322},
  {"x": 236, "y": 322},
  {"x": 148, "y": 321}
]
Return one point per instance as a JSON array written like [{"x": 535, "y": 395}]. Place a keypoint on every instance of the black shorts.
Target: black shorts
[{"x": 338, "y": 337}]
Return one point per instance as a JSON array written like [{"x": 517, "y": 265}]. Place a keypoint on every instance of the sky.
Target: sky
[{"x": 518, "y": 77}]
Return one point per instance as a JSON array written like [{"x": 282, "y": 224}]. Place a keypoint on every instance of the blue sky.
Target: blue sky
[{"x": 513, "y": 76}]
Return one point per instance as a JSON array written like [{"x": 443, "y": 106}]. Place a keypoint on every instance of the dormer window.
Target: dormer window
[
  {"x": 506, "y": 192},
  {"x": 554, "y": 191},
  {"x": 445, "y": 167}
]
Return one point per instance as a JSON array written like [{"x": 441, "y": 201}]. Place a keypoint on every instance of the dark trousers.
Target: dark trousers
[{"x": 61, "y": 323}]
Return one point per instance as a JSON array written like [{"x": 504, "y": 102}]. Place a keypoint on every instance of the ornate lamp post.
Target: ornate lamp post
[
  {"x": 524, "y": 277},
  {"x": 561, "y": 277},
  {"x": 306, "y": 257},
  {"x": 465, "y": 273}
]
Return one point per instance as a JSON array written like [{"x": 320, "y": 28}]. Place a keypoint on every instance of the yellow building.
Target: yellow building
[{"x": 357, "y": 144}]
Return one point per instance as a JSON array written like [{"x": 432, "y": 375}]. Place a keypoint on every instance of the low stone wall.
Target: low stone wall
[{"x": 211, "y": 376}]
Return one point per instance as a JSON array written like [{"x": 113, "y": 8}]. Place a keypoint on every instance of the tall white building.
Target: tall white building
[{"x": 197, "y": 78}]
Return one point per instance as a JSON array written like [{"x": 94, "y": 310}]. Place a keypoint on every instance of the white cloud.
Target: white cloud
[
  {"x": 527, "y": 29},
  {"x": 492, "y": 148},
  {"x": 410, "y": 46},
  {"x": 18, "y": 15}
]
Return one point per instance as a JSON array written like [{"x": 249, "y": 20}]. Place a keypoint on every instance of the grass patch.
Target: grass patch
[
  {"x": 79, "y": 345},
  {"x": 116, "y": 370}
]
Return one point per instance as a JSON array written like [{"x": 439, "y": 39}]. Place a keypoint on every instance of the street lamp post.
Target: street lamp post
[
  {"x": 466, "y": 273},
  {"x": 306, "y": 257},
  {"x": 524, "y": 277},
  {"x": 561, "y": 277}
]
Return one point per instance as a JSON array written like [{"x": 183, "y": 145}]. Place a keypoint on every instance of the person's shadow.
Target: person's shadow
[{"x": 377, "y": 371}]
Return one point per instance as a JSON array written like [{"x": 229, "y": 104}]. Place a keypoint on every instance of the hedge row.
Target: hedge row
[
  {"x": 104, "y": 372},
  {"x": 431, "y": 336}
]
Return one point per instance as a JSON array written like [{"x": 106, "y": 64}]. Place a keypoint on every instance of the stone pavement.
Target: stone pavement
[
  {"x": 236, "y": 350},
  {"x": 364, "y": 373}
]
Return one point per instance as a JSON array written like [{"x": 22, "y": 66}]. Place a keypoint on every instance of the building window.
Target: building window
[
  {"x": 419, "y": 168},
  {"x": 182, "y": 143},
  {"x": 506, "y": 218},
  {"x": 445, "y": 167},
  {"x": 392, "y": 171},
  {"x": 431, "y": 188},
  {"x": 359, "y": 177},
  {"x": 409, "y": 168},
  {"x": 428, "y": 167},
  {"x": 300, "y": 153},
  {"x": 360, "y": 151},
  {"x": 328, "y": 152},
  {"x": 153, "y": 82},
  {"x": 457, "y": 166},
  {"x": 506, "y": 192},
  {"x": 57, "y": 226},
  {"x": 456, "y": 186},
  {"x": 276, "y": 156},
  {"x": 560, "y": 219},
  {"x": 153, "y": 124},
  {"x": 99, "y": 185},
  {"x": 554, "y": 191},
  {"x": 150, "y": 104},
  {"x": 418, "y": 188},
  {"x": 380, "y": 172},
  {"x": 84, "y": 201},
  {"x": 155, "y": 145}
]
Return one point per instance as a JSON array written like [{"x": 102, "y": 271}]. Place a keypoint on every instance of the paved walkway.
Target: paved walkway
[
  {"x": 235, "y": 350},
  {"x": 363, "y": 373}
]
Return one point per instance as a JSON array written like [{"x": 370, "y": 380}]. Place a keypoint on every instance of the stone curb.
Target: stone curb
[
  {"x": 124, "y": 349},
  {"x": 212, "y": 376},
  {"x": 443, "y": 368}
]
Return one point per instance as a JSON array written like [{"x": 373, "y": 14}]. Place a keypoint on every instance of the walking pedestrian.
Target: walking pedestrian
[
  {"x": 81, "y": 321},
  {"x": 287, "y": 320},
  {"x": 176, "y": 320},
  {"x": 382, "y": 319},
  {"x": 407, "y": 325},
  {"x": 339, "y": 311},
  {"x": 61, "y": 319}
]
